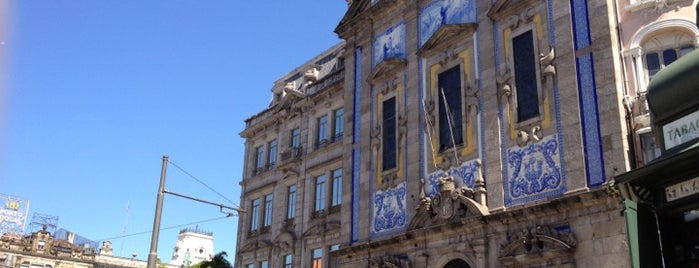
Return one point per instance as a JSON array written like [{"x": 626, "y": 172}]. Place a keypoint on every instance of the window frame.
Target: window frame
[
  {"x": 291, "y": 202},
  {"x": 268, "y": 211},
  {"x": 259, "y": 159},
  {"x": 458, "y": 112},
  {"x": 320, "y": 200},
  {"x": 322, "y": 131},
  {"x": 317, "y": 257},
  {"x": 537, "y": 73},
  {"x": 272, "y": 152},
  {"x": 288, "y": 260},
  {"x": 389, "y": 154},
  {"x": 336, "y": 188},
  {"x": 338, "y": 124},
  {"x": 254, "y": 215}
]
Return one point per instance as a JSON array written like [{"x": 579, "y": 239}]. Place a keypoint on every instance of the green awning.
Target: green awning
[{"x": 675, "y": 88}]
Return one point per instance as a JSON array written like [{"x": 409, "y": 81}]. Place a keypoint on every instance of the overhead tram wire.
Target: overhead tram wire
[
  {"x": 201, "y": 182},
  {"x": 165, "y": 228}
]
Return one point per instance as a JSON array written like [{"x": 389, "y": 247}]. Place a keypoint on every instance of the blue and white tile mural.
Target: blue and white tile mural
[
  {"x": 390, "y": 43},
  {"x": 534, "y": 172},
  {"x": 440, "y": 12},
  {"x": 464, "y": 175},
  {"x": 389, "y": 210}
]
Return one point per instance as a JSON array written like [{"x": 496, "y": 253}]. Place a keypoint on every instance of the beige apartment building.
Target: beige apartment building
[{"x": 459, "y": 133}]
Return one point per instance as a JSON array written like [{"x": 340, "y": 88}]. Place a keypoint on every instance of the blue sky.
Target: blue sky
[{"x": 95, "y": 92}]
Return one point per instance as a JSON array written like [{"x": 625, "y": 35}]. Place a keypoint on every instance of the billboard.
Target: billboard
[{"x": 13, "y": 214}]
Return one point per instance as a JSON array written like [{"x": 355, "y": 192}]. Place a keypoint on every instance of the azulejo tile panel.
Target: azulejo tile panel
[
  {"x": 534, "y": 171},
  {"x": 390, "y": 43},
  {"x": 440, "y": 12},
  {"x": 464, "y": 175},
  {"x": 389, "y": 214}
]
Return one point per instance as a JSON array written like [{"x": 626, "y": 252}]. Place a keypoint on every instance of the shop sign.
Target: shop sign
[
  {"x": 681, "y": 130},
  {"x": 682, "y": 189}
]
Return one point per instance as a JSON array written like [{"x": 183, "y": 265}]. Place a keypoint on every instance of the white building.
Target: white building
[{"x": 193, "y": 246}]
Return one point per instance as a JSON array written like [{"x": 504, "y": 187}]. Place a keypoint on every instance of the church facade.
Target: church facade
[{"x": 473, "y": 133}]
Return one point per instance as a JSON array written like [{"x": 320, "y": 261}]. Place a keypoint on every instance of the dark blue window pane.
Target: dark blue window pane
[
  {"x": 525, "y": 76},
  {"x": 389, "y": 134},
  {"x": 652, "y": 64},
  {"x": 450, "y": 108},
  {"x": 669, "y": 56}
]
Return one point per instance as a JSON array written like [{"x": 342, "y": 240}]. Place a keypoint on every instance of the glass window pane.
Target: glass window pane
[
  {"x": 337, "y": 188},
  {"x": 295, "y": 137},
  {"x": 652, "y": 64},
  {"x": 320, "y": 193},
  {"x": 525, "y": 76},
  {"x": 686, "y": 49},
  {"x": 255, "y": 214},
  {"x": 323, "y": 129},
  {"x": 389, "y": 134},
  {"x": 669, "y": 56},
  {"x": 260, "y": 157},
  {"x": 291, "y": 206},
  {"x": 268, "y": 211},
  {"x": 272, "y": 157},
  {"x": 339, "y": 123},
  {"x": 450, "y": 108}
]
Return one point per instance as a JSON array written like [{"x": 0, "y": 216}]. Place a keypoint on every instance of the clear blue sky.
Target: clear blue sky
[{"x": 94, "y": 93}]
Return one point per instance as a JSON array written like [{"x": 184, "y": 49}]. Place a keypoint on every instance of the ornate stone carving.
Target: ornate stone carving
[
  {"x": 389, "y": 261},
  {"x": 539, "y": 239},
  {"x": 524, "y": 137},
  {"x": 547, "y": 67}
]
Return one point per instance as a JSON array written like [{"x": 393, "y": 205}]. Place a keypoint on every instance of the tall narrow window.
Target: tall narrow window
[
  {"x": 255, "y": 215},
  {"x": 450, "y": 121},
  {"x": 525, "y": 76},
  {"x": 264, "y": 264},
  {"x": 333, "y": 261},
  {"x": 250, "y": 265},
  {"x": 291, "y": 205},
  {"x": 336, "y": 199},
  {"x": 295, "y": 138},
  {"x": 320, "y": 193},
  {"x": 339, "y": 122},
  {"x": 389, "y": 134},
  {"x": 288, "y": 261},
  {"x": 272, "y": 157},
  {"x": 317, "y": 258},
  {"x": 260, "y": 160},
  {"x": 267, "y": 221},
  {"x": 322, "y": 131},
  {"x": 652, "y": 64}
]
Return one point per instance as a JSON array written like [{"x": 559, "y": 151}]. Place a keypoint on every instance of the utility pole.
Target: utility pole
[{"x": 153, "y": 254}]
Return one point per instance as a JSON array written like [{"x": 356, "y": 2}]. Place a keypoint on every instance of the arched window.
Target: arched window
[{"x": 457, "y": 263}]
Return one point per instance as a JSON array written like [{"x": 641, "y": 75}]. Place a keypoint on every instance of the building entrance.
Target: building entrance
[{"x": 680, "y": 237}]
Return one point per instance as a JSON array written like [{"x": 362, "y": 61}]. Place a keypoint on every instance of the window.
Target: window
[
  {"x": 267, "y": 221},
  {"x": 272, "y": 157},
  {"x": 525, "y": 76},
  {"x": 389, "y": 134},
  {"x": 336, "y": 198},
  {"x": 250, "y": 265},
  {"x": 333, "y": 261},
  {"x": 339, "y": 124},
  {"x": 450, "y": 121},
  {"x": 288, "y": 261},
  {"x": 658, "y": 60},
  {"x": 291, "y": 205},
  {"x": 255, "y": 214},
  {"x": 264, "y": 264},
  {"x": 317, "y": 258},
  {"x": 41, "y": 244},
  {"x": 320, "y": 193},
  {"x": 649, "y": 148},
  {"x": 295, "y": 138},
  {"x": 322, "y": 131},
  {"x": 260, "y": 160}
]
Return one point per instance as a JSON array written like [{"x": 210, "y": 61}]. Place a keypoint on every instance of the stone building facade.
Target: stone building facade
[
  {"x": 294, "y": 171},
  {"x": 477, "y": 133}
]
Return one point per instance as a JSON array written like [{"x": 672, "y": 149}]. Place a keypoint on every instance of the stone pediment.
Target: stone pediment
[
  {"x": 505, "y": 8},
  {"x": 252, "y": 245},
  {"x": 321, "y": 228},
  {"x": 387, "y": 68},
  {"x": 445, "y": 35},
  {"x": 354, "y": 10}
]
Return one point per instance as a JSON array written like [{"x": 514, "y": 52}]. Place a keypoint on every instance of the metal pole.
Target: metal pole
[{"x": 153, "y": 255}]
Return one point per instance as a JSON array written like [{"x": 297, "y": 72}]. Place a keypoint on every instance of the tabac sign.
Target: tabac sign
[
  {"x": 681, "y": 130},
  {"x": 13, "y": 214}
]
